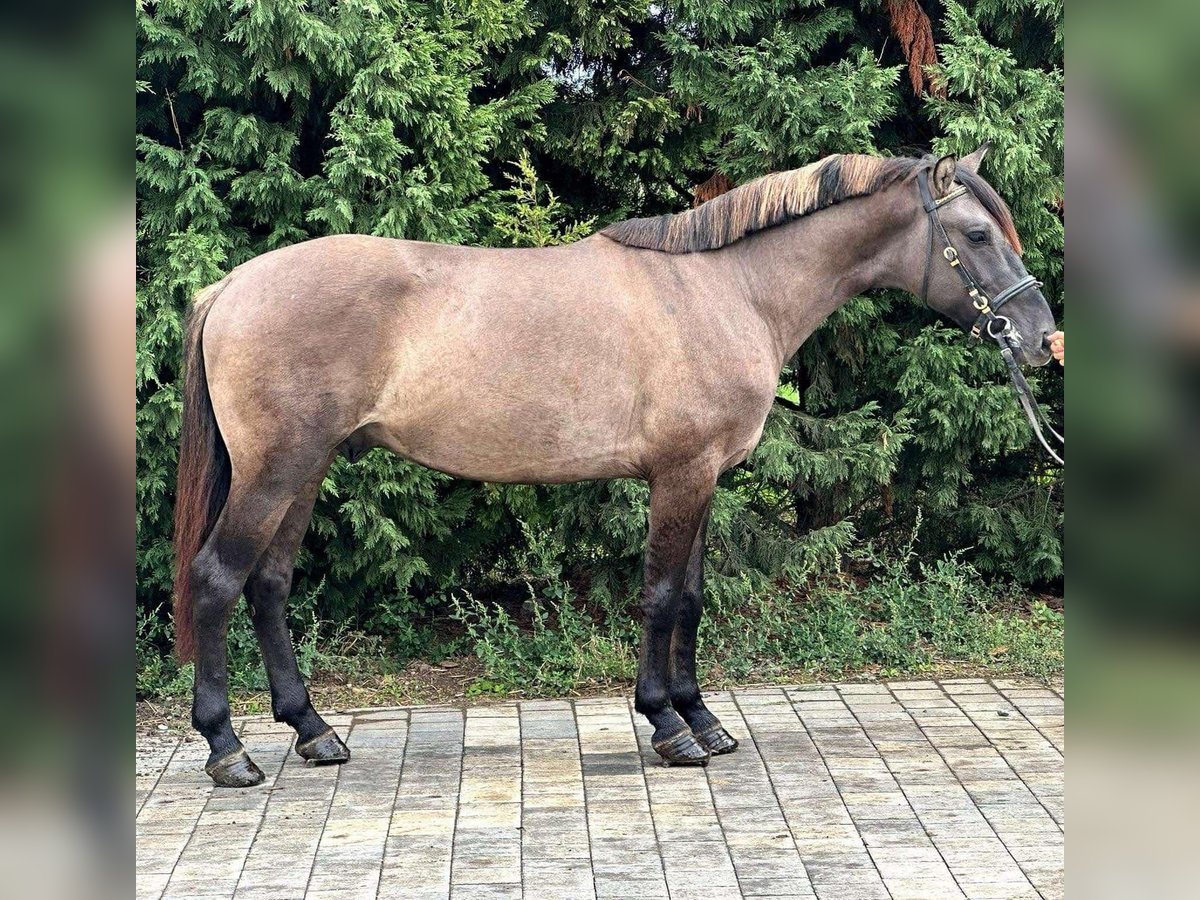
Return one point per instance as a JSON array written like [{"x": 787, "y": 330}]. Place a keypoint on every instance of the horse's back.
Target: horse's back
[
  {"x": 464, "y": 358},
  {"x": 546, "y": 365}
]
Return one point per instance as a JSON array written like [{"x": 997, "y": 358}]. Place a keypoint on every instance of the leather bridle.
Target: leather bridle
[{"x": 998, "y": 327}]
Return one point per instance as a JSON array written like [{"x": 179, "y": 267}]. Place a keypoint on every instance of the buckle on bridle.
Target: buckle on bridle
[
  {"x": 1007, "y": 327},
  {"x": 951, "y": 256}
]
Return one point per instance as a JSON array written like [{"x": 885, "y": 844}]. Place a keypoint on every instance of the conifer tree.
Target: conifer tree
[{"x": 260, "y": 124}]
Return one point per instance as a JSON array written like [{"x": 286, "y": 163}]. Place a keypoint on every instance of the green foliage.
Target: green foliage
[
  {"x": 894, "y": 614},
  {"x": 263, "y": 124},
  {"x": 560, "y": 648},
  {"x": 532, "y": 215},
  {"x": 886, "y": 614}
]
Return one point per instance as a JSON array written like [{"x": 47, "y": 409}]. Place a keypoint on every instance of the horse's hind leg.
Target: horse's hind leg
[
  {"x": 267, "y": 592},
  {"x": 685, "y": 689},
  {"x": 247, "y": 524},
  {"x": 678, "y": 501}
]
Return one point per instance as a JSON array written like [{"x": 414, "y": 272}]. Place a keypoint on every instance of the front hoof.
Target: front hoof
[
  {"x": 235, "y": 770},
  {"x": 681, "y": 749},
  {"x": 717, "y": 740},
  {"x": 324, "y": 749}
]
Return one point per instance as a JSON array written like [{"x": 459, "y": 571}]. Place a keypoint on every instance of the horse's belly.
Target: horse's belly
[{"x": 507, "y": 447}]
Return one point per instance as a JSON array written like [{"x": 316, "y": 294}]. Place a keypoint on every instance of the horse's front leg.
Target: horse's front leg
[
  {"x": 678, "y": 501},
  {"x": 685, "y": 689}
]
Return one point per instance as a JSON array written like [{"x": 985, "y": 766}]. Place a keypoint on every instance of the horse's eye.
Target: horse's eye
[{"x": 977, "y": 237}]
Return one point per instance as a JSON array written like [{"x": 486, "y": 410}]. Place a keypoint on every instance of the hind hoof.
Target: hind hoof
[
  {"x": 717, "y": 740},
  {"x": 681, "y": 749},
  {"x": 324, "y": 749},
  {"x": 235, "y": 770}
]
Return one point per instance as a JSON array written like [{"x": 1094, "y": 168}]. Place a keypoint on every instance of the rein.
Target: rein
[{"x": 999, "y": 328}]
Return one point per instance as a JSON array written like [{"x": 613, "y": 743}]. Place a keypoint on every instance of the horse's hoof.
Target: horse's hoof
[
  {"x": 235, "y": 769},
  {"x": 717, "y": 740},
  {"x": 681, "y": 749},
  {"x": 326, "y": 748}
]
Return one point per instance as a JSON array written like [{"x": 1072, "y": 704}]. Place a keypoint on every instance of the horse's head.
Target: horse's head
[{"x": 972, "y": 270}]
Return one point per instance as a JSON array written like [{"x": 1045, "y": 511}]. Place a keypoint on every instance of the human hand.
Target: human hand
[{"x": 1058, "y": 346}]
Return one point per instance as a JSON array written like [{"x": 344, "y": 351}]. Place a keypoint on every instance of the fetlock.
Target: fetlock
[{"x": 698, "y": 717}]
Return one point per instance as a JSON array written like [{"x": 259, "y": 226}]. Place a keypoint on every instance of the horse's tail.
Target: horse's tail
[{"x": 204, "y": 470}]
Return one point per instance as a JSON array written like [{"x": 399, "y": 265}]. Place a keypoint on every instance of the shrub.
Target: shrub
[{"x": 261, "y": 126}]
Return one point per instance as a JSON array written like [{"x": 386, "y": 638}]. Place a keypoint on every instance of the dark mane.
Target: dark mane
[
  {"x": 782, "y": 196},
  {"x": 763, "y": 203}
]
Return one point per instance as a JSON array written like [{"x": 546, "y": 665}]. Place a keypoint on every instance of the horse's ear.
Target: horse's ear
[
  {"x": 943, "y": 175},
  {"x": 973, "y": 161}
]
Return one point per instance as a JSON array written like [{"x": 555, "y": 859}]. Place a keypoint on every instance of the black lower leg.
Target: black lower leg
[
  {"x": 684, "y": 685},
  {"x": 267, "y": 592},
  {"x": 215, "y": 584},
  {"x": 677, "y": 506},
  {"x": 672, "y": 739},
  {"x": 652, "y": 696}
]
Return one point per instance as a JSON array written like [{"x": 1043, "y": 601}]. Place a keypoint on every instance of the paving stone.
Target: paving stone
[
  {"x": 150, "y": 885},
  {"x": 920, "y": 789}
]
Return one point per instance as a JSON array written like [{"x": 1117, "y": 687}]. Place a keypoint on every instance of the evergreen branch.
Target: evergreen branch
[{"x": 174, "y": 119}]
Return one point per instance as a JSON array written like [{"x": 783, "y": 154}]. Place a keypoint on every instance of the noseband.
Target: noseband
[{"x": 999, "y": 328}]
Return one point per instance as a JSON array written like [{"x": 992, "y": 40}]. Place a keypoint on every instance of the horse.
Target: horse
[{"x": 651, "y": 349}]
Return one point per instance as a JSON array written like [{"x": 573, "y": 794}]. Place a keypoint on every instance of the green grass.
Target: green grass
[
  {"x": 887, "y": 616},
  {"x": 892, "y": 622}
]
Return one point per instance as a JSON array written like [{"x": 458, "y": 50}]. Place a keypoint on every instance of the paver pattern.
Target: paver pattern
[{"x": 916, "y": 789}]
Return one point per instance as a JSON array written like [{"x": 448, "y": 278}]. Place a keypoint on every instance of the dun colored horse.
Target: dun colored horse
[{"x": 649, "y": 350}]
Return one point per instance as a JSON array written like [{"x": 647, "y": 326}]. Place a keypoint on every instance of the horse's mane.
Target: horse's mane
[{"x": 782, "y": 196}]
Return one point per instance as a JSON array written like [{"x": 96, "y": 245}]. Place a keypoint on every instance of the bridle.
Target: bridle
[{"x": 998, "y": 327}]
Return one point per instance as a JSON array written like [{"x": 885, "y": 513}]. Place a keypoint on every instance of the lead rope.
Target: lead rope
[{"x": 1029, "y": 404}]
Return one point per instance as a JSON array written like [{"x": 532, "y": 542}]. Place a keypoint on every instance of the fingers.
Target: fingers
[{"x": 1058, "y": 347}]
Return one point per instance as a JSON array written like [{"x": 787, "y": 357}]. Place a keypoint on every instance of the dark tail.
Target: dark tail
[{"x": 203, "y": 483}]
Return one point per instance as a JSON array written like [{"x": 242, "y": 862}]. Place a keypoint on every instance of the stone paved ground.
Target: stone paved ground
[{"x": 915, "y": 789}]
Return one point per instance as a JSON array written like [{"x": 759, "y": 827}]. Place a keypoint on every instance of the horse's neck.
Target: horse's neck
[{"x": 798, "y": 274}]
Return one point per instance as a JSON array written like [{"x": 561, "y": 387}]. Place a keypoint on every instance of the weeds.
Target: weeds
[
  {"x": 888, "y": 614},
  {"x": 320, "y": 647},
  {"x": 560, "y": 650}
]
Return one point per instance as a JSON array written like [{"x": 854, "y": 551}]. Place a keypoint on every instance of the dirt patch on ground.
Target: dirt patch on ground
[
  {"x": 417, "y": 683},
  {"x": 422, "y": 683}
]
